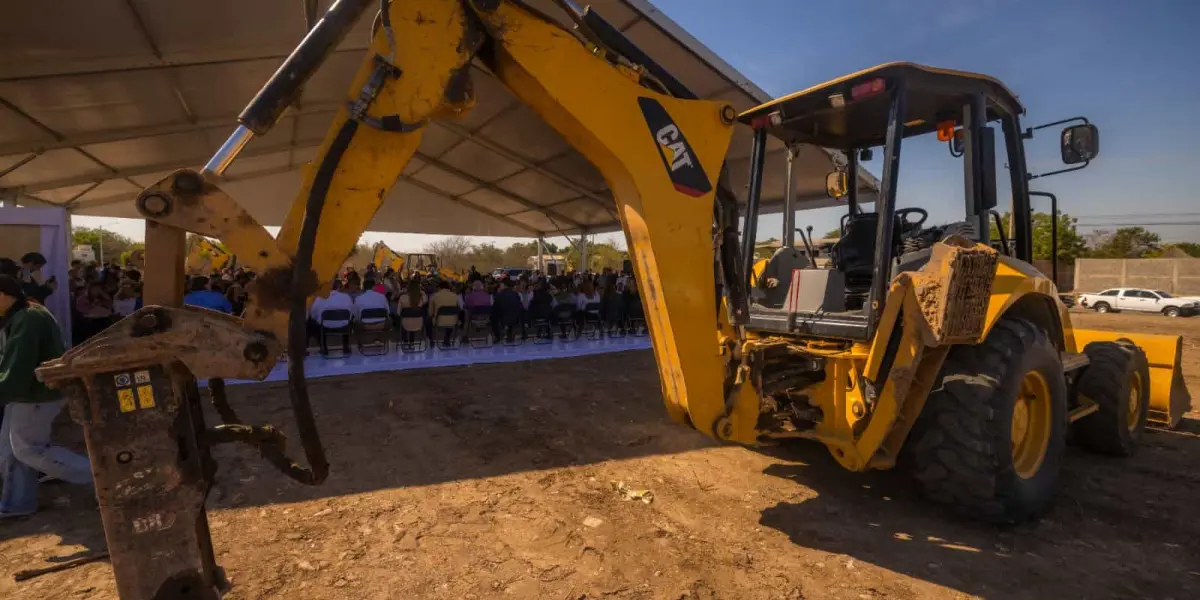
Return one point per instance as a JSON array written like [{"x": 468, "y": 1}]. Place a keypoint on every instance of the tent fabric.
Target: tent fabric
[{"x": 99, "y": 99}]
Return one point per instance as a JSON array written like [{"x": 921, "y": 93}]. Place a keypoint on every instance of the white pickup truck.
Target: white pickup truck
[{"x": 1142, "y": 300}]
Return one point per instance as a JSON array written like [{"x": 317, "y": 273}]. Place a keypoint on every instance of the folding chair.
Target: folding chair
[
  {"x": 335, "y": 314},
  {"x": 479, "y": 327},
  {"x": 412, "y": 330},
  {"x": 512, "y": 323},
  {"x": 564, "y": 317},
  {"x": 445, "y": 322},
  {"x": 636, "y": 319},
  {"x": 593, "y": 323},
  {"x": 375, "y": 334},
  {"x": 539, "y": 322},
  {"x": 614, "y": 318}
]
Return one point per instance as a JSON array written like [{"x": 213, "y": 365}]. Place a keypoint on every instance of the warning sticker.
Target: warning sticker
[
  {"x": 123, "y": 380},
  {"x": 125, "y": 397},
  {"x": 145, "y": 396},
  {"x": 141, "y": 377}
]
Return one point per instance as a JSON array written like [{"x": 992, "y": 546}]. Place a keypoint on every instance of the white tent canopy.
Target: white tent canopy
[{"x": 99, "y": 99}]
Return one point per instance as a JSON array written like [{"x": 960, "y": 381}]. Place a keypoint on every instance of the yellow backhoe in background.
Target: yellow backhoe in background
[
  {"x": 204, "y": 257},
  {"x": 934, "y": 346},
  {"x": 421, "y": 263}
]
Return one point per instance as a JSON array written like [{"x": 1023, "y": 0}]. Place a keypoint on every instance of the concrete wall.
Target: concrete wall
[
  {"x": 1179, "y": 276},
  {"x": 1066, "y": 274}
]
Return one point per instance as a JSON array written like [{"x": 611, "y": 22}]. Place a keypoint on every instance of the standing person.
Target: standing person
[
  {"x": 126, "y": 300},
  {"x": 204, "y": 297},
  {"x": 95, "y": 307},
  {"x": 237, "y": 293},
  {"x": 31, "y": 337},
  {"x": 36, "y": 287}
]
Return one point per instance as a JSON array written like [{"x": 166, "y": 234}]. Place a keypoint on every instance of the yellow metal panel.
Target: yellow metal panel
[
  {"x": 1169, "y": 396},
  {"x": 125, "y": 399},
  {"x": 601, "y": 112},
  {"x": 145, "y": 396},
  {"x": 432, "y": 46}
]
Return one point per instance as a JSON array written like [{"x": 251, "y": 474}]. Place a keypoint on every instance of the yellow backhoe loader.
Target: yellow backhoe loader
[
  {"x": 935, "y": 346},
  {"x": 384, "y": 257},
  {"x": 204, "y": 257}
]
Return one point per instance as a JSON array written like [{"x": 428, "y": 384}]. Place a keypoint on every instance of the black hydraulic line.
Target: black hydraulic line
[
  {"x": 885, "y": 206},
  {"x": 297, "y": 341},
  {"x": 285, "y": 85},
  {"x": 612, "y": 38},
  {"x": 1053, "y": 232},
  {"x": 758, "y": 153}
]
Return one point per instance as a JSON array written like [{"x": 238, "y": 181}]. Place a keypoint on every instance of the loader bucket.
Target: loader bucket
[{"x": 1169, "y": 397}]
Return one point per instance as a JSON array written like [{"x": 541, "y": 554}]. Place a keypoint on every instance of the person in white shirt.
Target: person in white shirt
[
  {"x": 587, "y": 295},
  {"x": 370, "y": 299},
  {"x": 337, "y": 299}
]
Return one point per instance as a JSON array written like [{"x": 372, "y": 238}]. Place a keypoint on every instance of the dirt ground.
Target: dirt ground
[{"x": 498, "y": 482}]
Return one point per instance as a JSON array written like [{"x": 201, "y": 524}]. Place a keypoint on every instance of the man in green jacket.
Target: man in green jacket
[{"x": 30, "y": 337}]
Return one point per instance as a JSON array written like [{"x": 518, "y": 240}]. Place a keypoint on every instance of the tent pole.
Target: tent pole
[{"x": 541, "y": 263}]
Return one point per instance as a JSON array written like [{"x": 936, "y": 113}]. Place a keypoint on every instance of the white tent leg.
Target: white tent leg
[{"x": 541, "y": 263}]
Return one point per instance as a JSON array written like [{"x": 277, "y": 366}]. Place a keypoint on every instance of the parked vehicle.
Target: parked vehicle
[
  {"x": 1141, "y": 300},
  {"x": 513, "y": 273}
]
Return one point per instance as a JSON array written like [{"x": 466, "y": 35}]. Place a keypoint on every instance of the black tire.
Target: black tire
[
  {"x": 1102, "y": 307},
  {"x": 960, "y": 449},
  {"x": 1171, "y": 311},
  {"x": 1108, "y": 381}
]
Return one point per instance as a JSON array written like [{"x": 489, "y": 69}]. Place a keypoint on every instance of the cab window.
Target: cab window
[{"x": 1109, "y": 293}]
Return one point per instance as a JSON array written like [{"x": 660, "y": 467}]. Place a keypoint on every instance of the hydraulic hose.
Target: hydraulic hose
[{"x": 297, "y": 343}]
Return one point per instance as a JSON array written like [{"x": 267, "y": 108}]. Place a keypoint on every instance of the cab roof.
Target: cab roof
[{"x": 851, "y": 111}]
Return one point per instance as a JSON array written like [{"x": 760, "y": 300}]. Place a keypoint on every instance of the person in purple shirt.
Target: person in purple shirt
[{"x": 203, "y": 297}]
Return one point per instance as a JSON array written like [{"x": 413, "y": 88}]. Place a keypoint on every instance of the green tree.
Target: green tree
[
  {"x": 1127, "y": 242},
  {"x": 1071, "y": 245},
  {"x": 486, "y": 257},
  {"x": 453, "y": 252},
  {"x": 599, "y": 256},
  {"x": 114, "y": 244},
  {"x": 834, "y": 233},
  {"x": 1189, "y": 248}
]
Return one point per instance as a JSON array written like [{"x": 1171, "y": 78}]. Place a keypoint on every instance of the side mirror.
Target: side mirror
[
  {"x": 837, "y": 184},
  {"x": 1079, "y": 143}
]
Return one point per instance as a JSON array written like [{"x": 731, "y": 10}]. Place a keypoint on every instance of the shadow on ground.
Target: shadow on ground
[{"x": 1122, "y": 528}]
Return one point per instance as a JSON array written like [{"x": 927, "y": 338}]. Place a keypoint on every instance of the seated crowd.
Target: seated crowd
[
  {"x": 421, "y": 305},
  {"x": 426, "y": 307},
  {"x": 104, "y": 294}
]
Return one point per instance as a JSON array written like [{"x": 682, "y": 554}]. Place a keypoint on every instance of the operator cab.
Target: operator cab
[{"x": 879, "y": 108}]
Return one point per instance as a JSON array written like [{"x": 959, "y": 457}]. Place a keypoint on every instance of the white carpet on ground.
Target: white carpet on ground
[{"x": 316, "y": 365}]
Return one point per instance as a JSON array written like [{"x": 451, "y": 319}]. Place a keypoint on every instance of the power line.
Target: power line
[
  {"x": 1156, "y": 224},
  {"x": 1138, "y": 215}
]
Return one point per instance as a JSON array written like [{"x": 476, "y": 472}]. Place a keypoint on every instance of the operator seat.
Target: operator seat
[
  {"x": 854, "y": 254},
  {"x": 780, "y": 266}
]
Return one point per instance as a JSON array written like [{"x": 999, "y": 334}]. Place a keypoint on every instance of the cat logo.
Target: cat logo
[{"x": 680, "y": 161}]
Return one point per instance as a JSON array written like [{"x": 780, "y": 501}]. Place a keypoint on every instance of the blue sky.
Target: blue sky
[{"x": 1132, "y": 67}]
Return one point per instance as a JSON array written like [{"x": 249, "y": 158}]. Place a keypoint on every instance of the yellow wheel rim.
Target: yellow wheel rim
[
  {"x": 1031, "y": 425},
  {"x": 1135, "y": 402}
]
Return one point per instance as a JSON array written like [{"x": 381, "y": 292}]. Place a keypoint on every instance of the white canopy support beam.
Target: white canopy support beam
[
  {"x": 101, "y": 176},
  {"x": 551, "y": 214},
  {"x": 133, "y": 133},
  {"x": 105, "y": 65},
  {"x": 604, "y": 203},
  {"x": 541, "y": 244}
]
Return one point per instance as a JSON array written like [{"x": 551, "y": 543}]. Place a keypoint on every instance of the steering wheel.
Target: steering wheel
[{"x": 902, "y": 217}]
